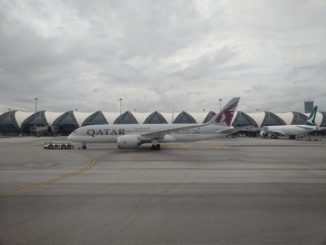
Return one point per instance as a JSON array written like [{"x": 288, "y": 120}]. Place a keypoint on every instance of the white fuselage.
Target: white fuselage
[
  {"x": 291, "y": 129},
  {"x": 110, "y": 133}
]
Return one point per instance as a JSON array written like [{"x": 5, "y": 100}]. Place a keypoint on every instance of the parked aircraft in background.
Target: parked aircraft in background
[
  {"x": 292, "y": 130},
  {"x": 133, "y": 135}
]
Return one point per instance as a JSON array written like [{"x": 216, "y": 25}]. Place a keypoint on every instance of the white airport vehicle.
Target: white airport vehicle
[
  {"x": 52, "y": 145},
  {"x": 292, "y": 131},
  {"x": 132, "y": 136}
]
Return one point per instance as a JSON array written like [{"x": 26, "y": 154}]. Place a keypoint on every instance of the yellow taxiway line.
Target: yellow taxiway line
[{"x": 88, "y": 166}]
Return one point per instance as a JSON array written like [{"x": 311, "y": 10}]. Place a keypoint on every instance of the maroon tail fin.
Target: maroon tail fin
[{"x": 224, "y": 117}]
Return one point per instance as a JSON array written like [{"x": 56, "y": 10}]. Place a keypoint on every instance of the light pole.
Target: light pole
[
  {"x": 36, "y": 103},
  {"x": 220, "y": 100},
  {"x": 120, "y": 100}
]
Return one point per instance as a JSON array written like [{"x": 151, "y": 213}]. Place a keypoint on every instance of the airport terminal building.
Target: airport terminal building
[{"x": 13, "y": 123}]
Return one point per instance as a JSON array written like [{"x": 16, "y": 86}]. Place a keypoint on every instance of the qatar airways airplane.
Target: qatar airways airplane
[{"x": 128, "y": 136}]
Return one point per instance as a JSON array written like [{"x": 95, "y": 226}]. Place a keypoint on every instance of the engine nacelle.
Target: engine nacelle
[
  {"x": 128, "y": 141},
  {"x": 263, "y": 134},
  {"x": 168, "y": 138}
]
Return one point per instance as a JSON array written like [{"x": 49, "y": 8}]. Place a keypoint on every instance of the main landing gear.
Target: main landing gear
[
  {"x": 156, "y": 147},
  {"x": 83, "y": 147}
]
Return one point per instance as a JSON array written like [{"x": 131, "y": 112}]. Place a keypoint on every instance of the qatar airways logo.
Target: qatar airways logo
[
  {"x": 93, "y": 132},
  {"x": 227, "y": 115}
]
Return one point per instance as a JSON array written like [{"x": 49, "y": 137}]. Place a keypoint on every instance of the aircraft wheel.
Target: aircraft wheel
[{"x": 156, "y": 147}]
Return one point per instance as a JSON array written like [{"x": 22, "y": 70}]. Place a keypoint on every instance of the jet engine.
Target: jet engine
[
  {"x": 263, "y": 134},
  {"x": 128, "y": 141}
]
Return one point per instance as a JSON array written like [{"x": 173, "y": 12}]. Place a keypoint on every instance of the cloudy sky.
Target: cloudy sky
[{"x": 166, "y": 55}]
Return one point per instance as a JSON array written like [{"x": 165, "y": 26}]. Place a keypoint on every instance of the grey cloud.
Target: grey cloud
[
  {"x": 162, "y": 55},
  {"x": 211, "y": 65}
]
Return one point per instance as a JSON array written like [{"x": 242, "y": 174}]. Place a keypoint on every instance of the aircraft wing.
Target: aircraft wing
[
  {"x": 228, "y": 131},
  {"x": 161, "y": 133}
]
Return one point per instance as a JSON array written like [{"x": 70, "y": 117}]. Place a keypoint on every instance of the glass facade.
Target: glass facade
[
  {"x": 155, "y": 118},
  {"x": 271, "y": 119},
  {"x": 8, "y": 124},
  {"x": 242, "y": 119},
  {"x": 323, "y": 122},
  {"x": 65, "y": 124},
  {"x": 126, "y": 118},
  {"x": 36, "y": 120},
  {"x": 95, "y": 119},
  {"x": 298, "y": 118},
  {"x": 184, "y": 117},
  {"x": 209, "y": 116}
]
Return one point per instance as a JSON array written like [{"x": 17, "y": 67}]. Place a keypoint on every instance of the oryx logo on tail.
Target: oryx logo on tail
[
  {"x": 311, "y": 119},
  {"x": 225, "y": 116}
]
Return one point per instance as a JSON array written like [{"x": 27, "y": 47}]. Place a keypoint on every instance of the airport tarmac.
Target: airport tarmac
[{"x": 230, "y": 191}]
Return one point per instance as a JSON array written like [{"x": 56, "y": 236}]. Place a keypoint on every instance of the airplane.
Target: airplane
[
  {"x": 292, "y": 130},
  {"x": 132, "y": 136}
]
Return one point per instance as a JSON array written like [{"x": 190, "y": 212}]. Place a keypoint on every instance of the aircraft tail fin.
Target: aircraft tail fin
[
  {"x": 311, "y": 119},
  {"x": 224, "y": 117}
]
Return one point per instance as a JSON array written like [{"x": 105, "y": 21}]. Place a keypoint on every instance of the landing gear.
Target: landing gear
[
  {"x": 156, "y": 147},
  {"x": 84, "y": 146},
  {"x": 274, "y": 136}
]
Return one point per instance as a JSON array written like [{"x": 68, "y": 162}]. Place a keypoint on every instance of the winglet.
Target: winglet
[
  {"x": 224, "y": 117},
  {"x": 311, "y": 119}
]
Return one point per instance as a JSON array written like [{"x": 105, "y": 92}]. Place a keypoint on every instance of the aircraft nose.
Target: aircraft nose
[{"x": 70, "y": 137}]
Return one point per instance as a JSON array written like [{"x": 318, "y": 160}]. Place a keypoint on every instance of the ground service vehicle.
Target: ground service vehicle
[{"x": 52, "y": 145}]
